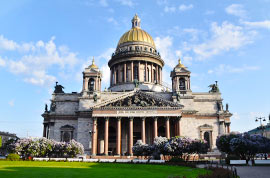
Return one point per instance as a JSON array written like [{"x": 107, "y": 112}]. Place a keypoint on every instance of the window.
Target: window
[
  {"x": 144, "y": 74},
  {"x": 130, "y": 48},
  {"x": 127, "y": 74},
  {"x": 155, "y": 75},
  {"x": 123, "y": 75},
  {"x": 135, "y": 72},
  {"x": 91, "y": 84},
  {"x": 66, "y": 137},
  {"x": 182, "y": 85},
  {"x": 148, "y": 72},
  {"x": 117, "y": 79}
]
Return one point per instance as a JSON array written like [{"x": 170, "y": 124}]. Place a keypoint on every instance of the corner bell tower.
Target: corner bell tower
[
  {"x": 180, "y": 79},
  {"x": 92, "y": 79}
]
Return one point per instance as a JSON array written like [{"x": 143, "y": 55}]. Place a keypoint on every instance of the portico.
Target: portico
[{"x": 117, "y": 128}]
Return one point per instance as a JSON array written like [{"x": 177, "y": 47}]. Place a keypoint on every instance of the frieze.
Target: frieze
[{"x": 208, "y": 100}]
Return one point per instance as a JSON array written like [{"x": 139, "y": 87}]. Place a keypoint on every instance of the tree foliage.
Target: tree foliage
[
  {"x": 245, "y": 146},
  {"x": 175, "y": 146},
  {"x": 43, "y": 147}
]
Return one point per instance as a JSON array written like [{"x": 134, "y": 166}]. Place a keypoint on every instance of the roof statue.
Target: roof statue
[
  {"x": 214, "y": 88},
  {"x": 58, "y": 88}
]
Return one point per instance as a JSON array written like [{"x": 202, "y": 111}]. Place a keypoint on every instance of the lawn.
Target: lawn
[{"x": 34, "y": 169}]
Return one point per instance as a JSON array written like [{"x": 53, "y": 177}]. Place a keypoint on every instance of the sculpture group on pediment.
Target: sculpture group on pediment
[{"x": 138, "y": 100}]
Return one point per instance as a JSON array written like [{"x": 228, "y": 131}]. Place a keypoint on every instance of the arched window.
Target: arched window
[
  {"x": 148, "y": 72},
  {"x": 135, "y": 72},
  {"x": 123, "y": 74},
  {"x": 144, "y": 74},
  {"x": 182, "y": 85},
  {"x": 127, "y": 74},
  {"x": 117, "y": 79},
  {"x": 91, "y": 84},
  {"x": 155, "y": 75}
]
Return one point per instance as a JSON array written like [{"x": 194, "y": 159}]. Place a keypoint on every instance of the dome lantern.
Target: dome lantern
[
  {"x": 180, "y": 65},
  {"x": 93, "y": 65},
  {"x": 136, "y": 22}
]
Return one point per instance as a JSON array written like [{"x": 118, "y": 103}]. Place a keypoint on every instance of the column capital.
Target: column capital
[
  {"x": 155, "y": 118},
  {"x": 143, "y": 118},
  {"x": 131, "y": 118},
  {"x": 94, "y": 118},
  {"x": 119, "y": 118},
  {"x": 167, "y": 118},
  {"x": 106, "y": 118}
]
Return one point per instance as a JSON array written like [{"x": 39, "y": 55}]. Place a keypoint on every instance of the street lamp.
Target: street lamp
[{"x": 261, "y": 125}]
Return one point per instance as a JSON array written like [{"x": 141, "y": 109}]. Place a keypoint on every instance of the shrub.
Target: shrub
[
  {"x": 180, "y": 147},
  {"x": 231, "y": 157},
  {"x": 217, "y": 173},
  {"x": 13, "y": 157},
  {"x": 47, "y": 148}
]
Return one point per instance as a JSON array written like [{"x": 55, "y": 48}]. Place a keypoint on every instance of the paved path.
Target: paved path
[{"x": 253, "y": 171}]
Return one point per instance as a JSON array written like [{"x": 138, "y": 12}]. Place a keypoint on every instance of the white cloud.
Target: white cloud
[
  {"x": 222, "y": 68},
  {"x": 235, "y": 116},
  {"x": 37, "y": 59},
  {"x": 112, "y": 20},
  {"x": 223, "y": 38},
  {"x": 11, "y": 103},
  {"x": 106, "y": 55},
  {"x": 209, "y": 12},
  {"x": 2, "y": 62},
  {"x": 169, "y": 9},
  {"x": 260, "y": 24},
  {"x": 103, "y": 58},
  {"x": 103, "y": 3},
  {"x": 236, "y": 9},
  {"x": 129, "y": 3},
  {"x": 6, "y": 44},
  {"x": 164, "y": 45},
  {"x": 184, "y": 7},
  {"x": 40, "y": 78}
]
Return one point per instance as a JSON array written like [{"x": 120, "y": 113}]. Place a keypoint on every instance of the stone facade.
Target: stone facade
[{"x": 137, "y": 105}]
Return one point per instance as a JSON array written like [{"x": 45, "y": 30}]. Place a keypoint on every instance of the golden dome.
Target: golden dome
[
  {"x": 180, "y": 65},
  {"x": 136, "y": 34},
  {"x": 93, "y": 65}
]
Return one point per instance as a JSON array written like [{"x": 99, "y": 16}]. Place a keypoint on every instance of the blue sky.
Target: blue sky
[{"x": 46, "y": 41}]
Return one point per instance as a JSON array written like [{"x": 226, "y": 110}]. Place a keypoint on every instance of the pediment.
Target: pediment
[
  {"x": 182, "y": 70},
  {"x": 141, "y": 99}
]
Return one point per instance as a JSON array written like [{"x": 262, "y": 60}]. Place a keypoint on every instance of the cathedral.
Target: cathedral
[{"x": 137, "y": 105}]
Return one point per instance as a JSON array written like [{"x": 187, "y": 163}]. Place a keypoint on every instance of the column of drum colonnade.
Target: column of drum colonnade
[
  {"x": 118, "y": 133},
  {"x": 124, "y": 65}
]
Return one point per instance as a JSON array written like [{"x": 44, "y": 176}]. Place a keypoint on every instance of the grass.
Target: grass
[{"x": 32, "y": 169}]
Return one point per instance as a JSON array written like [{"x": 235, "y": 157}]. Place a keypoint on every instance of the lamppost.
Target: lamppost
[{"x": 261, "y": 125}]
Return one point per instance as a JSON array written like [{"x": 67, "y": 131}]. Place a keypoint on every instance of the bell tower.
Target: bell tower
[
  {"x": 180, "y": 79},
  {"x": 91, "y": 79}
]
